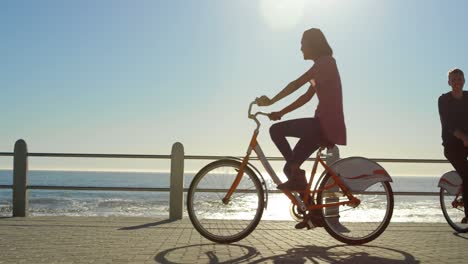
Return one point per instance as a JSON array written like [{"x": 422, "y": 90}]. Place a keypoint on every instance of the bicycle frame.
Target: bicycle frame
[{"x": 306, "y": 203}]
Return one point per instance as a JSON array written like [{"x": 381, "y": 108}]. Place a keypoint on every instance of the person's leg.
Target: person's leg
[
  {"x": 308, "y": 143},
  {"x": 465, "y": 183},
  {"x": 290, "y": 128},
  {"x": 457, "y": 157},
  {"x": 278, "y": 132},
  {"x": 308, "y": 132}
]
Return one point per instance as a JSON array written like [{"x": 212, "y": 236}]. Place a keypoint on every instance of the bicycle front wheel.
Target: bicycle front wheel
[
  {"x": 453, "y": 210},
  {"x": 225, "y": 222},
  {"x": 356, "y": 224}
]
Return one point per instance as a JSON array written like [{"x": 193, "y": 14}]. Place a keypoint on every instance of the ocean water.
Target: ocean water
[{"x": 156, "y": 204}]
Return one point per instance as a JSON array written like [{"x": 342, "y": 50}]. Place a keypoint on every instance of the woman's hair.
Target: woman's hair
[
  {"x": 317, "y": 42},
  {"x": 455, "y": 71}
]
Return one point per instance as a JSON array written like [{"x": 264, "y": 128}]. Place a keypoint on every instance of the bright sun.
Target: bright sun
[{"x": 282, "y": 14}]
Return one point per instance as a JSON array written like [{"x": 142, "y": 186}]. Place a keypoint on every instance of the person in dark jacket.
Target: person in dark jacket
[{"x": 453, "y": 111}]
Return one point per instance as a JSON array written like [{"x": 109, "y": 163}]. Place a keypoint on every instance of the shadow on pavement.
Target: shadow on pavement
[
  {"x": 341, "y": 254},
  {"x": 147, "y": 225},
  {"x": 219, "y": 253},
  {"x": 207, "y": 253},
  {"x": 461, "y": 235}
]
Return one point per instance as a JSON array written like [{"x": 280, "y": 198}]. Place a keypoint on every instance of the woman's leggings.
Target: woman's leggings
[
  {"x": 457, "y": 156},
  {"x": 308, "y": 132}
]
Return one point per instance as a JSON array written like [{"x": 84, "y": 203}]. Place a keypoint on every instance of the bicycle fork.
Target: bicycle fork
[{"x": 240, "y": 172}]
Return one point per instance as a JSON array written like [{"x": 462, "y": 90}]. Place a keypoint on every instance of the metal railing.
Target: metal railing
[
  {"x": 20, "y": 175},
  {"x": 21, "y": 187}
]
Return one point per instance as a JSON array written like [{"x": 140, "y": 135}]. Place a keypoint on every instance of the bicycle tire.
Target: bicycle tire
[
  {"x": 219, "y": 222},
  {"x": 338, "y": 224},
  {"x": 453, "y": 215}
]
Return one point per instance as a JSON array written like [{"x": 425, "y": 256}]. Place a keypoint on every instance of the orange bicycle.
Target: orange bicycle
[{"x": 352, "y": 199}]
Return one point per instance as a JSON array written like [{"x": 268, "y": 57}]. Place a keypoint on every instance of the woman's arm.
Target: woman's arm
[
  {"x": 294, "y": 105},
  {"x": 289, "y": 89}
]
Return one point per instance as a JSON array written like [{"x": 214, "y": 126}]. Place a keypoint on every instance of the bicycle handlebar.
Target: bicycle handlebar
[{"x": 254, "y": 116}]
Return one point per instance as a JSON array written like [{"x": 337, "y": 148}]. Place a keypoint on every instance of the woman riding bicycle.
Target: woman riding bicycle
[{"x": 327, "y": 128}]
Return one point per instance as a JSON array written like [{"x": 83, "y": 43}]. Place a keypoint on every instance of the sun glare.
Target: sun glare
[{"x": 282, "y": 14}]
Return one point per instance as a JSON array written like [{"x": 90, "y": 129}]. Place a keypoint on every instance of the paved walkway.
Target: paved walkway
[{"x": 148, "y": 240}]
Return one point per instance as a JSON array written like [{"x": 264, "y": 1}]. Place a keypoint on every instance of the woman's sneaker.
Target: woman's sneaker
[
  {"x": 296, "y": 183},
  {"x": 293, "y": 185},
  {"x": 311, "y": 220},
  {"x": 305, "y": 223}
]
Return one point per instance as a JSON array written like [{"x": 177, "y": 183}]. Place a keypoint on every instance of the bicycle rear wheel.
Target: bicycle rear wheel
[
  {"x": 454, "y": 211},
  {"x": 362, "y": 223},
  {"x": 215, "y": 220}
]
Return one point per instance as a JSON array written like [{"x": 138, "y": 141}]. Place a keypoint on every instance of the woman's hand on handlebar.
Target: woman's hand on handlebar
[
  {"x": 263, "y": 101},
  {"x": 275, "y": 116}
]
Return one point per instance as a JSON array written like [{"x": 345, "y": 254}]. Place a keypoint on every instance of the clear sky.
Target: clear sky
[{"x": 136, "y": 76}]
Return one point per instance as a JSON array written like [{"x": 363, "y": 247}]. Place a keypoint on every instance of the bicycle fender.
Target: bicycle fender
[
  {"x": 451, "y": 181},
  {"x": 259, "y": 175},
  {"x": 358, "y": 173}
]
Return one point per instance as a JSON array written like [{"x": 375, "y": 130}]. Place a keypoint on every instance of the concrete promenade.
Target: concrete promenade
[{"x": 149, "y": 240}]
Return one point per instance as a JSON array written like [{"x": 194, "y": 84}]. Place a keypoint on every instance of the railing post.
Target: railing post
[
  {"x": 20, "y": 179},
  {"x": 176, "y": 200}
]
